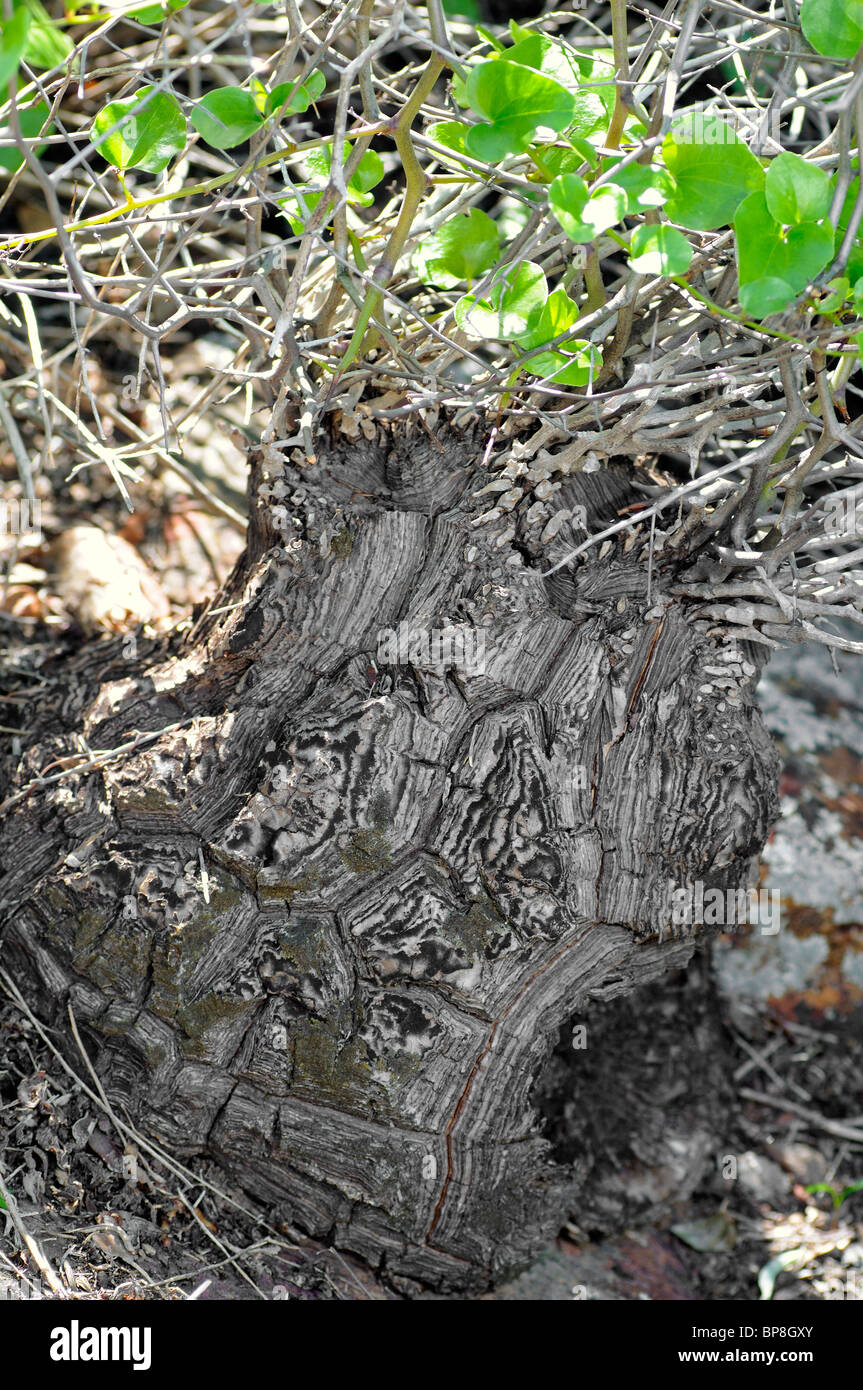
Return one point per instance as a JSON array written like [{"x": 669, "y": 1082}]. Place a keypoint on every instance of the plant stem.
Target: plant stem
[
  {"x": 621, "y": 65},
  {"x": 187, "y": 191},
  {"x": 415, "y": 184}
]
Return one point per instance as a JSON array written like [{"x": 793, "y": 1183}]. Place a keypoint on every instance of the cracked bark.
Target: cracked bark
[{"x": 409, "y": 888}]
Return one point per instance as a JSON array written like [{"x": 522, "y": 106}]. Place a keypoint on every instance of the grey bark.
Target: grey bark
[{"x": 408, "y": 888}]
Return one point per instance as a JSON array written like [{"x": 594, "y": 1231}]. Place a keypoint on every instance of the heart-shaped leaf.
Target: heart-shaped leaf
[
  {"x": 560, "y": 62},
  {"x": 797, "y": 191},
  {"x": 567, "y": 197},
  {"x": 148, "y": 140},
  {"x": 463, "y": 248},
  {"x": 584, "y": 215},
  {"x": 766, "y": 250},
  {"x": 833, "y": 27},
  {"x": 659, "y": 250},
  {"x": 769, "y": 295},
  {"x": 226, "y": 117},
  {"x": 516, "y": 102},
  {"x": 512, "y": 304},
  {"x": 567, "y": 365},
  {"x": 713, "y": 170},
  {"x": 645, "y": 185},
  {"x": 298, "y": 99},
  {"x": 366, "y": 176},
  {"x": 47, "y": 46}
]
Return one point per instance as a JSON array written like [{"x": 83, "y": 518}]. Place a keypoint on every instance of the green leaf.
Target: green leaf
[
  {"x": 552, "y": 160},
  {"x": 32, "y": 119},
  {"x": 833, "y": 27},
  {"x": 259, "y": 94},
  {"x": 854, "y": 268},
  {"x": 302, "y": 97},
  {"x": 810, "y": 248},
  {"x": 841, "y": 293},
  {"x": 13, "y": 41},
  {"x": 568, "y": 365},
  {"x": 761, "y": 249},
  {"x": 769, "y": 295},
  {"x": 463, "y": 9},
  {"x": 463, "y": 248},
  {"x": 47, "y": 46},
  {"x": 451, "y": 134},
  {"x": 605, "y": 208},
  {"x": 567, "y": 198},
  {"x": 549, "y": 56},
  {"x": 713, "y": 169},
  {"x": 796, "y": 190},
  {"x": 367, "y": 174},
  {"x": 226, "y": 117},
  {"x": 516, "y": 102},
  {"x": 582, "y": 215},
  {"x": 645, "y": 185},
  {"x": 490, "y": 38},
  {"x": 766, "y": 250},
  {"x": 148, "y": 140},
  {"x": 557, "y": 314},
  {"x": 602, "y": 72},
  {"x": 514, "y": 301},
  {"x": 557, "y": 159},
  {"x": 154, "y": 14},
  {"x": 584, "y": 147},
  {"x": 659, "y": 250},
  {"x": 566, "y": 368},
  {"x": 560, "y": 62}
]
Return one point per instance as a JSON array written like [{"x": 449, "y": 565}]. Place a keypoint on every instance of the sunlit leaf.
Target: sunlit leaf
[
  {"x": 47, "y": 45},
  {"x": 797, "y": 191},
  {"x": 298, "y": 99},
  {"x": 511, "y": 305},
  {"x": 516, "y": 102},
  {"x": 659, "y": 250},
  {"x": 582, "y": 215},
  {"x": 154, "y": 14},
  {"x": 226, "y": 117},
  {"x": 833, "y": 27},
  {"x": 463, "y": 248},
  {"x": 713, "y": 171},
  {"x": 148, "y": 140}
]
